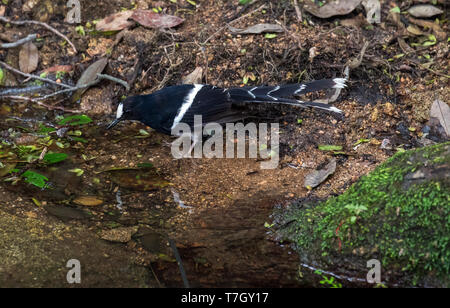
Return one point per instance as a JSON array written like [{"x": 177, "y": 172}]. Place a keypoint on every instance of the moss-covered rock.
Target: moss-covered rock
[{"x": 398, "y": 214}]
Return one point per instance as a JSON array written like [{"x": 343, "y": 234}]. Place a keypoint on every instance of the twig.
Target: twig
[
  {"x": 429, "y": 69},
  {"x": 232, "y": 22},
  {"x": 19, "y": 42},
  {"x": 116, "y": 80},
  {"x": 298, "y": 12},
  {"x": 8, "y": 67},
  {"x": 87, "y": 85},
  {"x": 43, "y": 24},
  {"x": 356, "y": 62},
  {"x": 33, "y": 100},
  {"x": 180, "y": 263}
]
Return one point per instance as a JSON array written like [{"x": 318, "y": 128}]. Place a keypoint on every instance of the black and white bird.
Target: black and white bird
[{"x": 164, "y": 109}]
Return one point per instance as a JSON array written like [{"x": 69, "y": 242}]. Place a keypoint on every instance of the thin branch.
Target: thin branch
[
  {"x": 43, "y": 24},
  {"x": 33, "y": 100},
  {"x": 232, "y": 22},
  {"x": 10, "y": 68},
  {"x": 116, "y": 80},
  {"x": 298, "y": 12},
  {"x": 19, "y": 42},
  {"x": 87, "y": 85}
]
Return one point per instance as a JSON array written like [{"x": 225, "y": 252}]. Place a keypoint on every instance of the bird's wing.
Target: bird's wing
[{"x": 211, "y": 102}]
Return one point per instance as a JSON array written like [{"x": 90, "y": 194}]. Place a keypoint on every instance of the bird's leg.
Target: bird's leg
[
  {"x": 182, "y": 140},
  {"x": 195, "y": 139}
]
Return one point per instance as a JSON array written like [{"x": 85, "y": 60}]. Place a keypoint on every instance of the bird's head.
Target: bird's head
[{"x": 127, "y": 110}]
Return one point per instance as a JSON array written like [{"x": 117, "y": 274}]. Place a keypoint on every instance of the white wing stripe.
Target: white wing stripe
[
  {"x": 188, "y": 100},
  {"x": 119, "y": 111},
  {"x": 302, "y": 87},
  {"x": 276, "y": 89}
]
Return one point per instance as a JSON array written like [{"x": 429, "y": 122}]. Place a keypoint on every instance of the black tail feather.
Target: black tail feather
[{"x": 278, "y": 94}]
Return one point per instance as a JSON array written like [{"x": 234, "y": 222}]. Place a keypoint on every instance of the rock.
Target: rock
[{"x": 397, "y": 214}]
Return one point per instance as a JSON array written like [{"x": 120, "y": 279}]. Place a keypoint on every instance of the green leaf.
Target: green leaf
[
  {"x": 143, "y": 132},
  {"x": 270, "y": 35},
  {"x": 324, "y": 147},
  {"x": 79, "y": 139},
  {"x": 145, "y": 165},
  {"x": 192, "y": 2},
  {"x": 244, "y": 2},
  {"x": 428, "y": 43},
  {"x": 53, "y": 158},
  {"x": 361, "y": 141},
  {"x": 395, "y": 10},
  {"x": 77, "y": 171},
  {"x": 2, "y": 76},
  {"x": 35, "y": 179},
  {"x": 45, "y": 129},
  {"x": 75, "y": 120}
]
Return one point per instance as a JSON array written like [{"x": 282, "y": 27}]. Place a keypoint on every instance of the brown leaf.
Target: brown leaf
[
  {"x": 424, "y": 10},
  {"x": 151, "y": 19},
  {"x": 2, "y": 10},
  {"x": 59, "y": 68},
  {"x": 441, "y": 111},
  {"x": 256, "y": 29},
  {"x": 194, "y": 77},
  {"x": 28, "y": 58},
  {"x": 89, "y": 75},
  {"x": 332, "y": 9},
  {"x": 316, "y": 177},
  {"x": 115, "y": 22},
  {"x": 437, "y": 30},
  {"x": 88, "y": 201}
]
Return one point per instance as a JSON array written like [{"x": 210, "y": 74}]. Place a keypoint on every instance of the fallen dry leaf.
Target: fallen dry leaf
[
  {"x": 316, "y": 177},
  {"x": 437, "y": 30},
  {"x": 424, "y": 10},
  {"x": 441, "y": 111},
  {"x": 151, "y": 19},
  {"x": 115, "y": 22},
  {"x": 88, "y": 201},
  {"x": 28, "y": 58},
  {"x": 373, "y": 11},
  {"x": 194, "y": 77},
  {"x": 2, "y": 10},
  {"x": 59, "y": 68},
  {"x": 89, "y": 75},
  {"x": 332, "y": 9},
  {"x": 257, "y": 29}
]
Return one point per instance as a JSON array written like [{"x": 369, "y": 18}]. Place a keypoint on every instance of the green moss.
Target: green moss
[{"x": 405, "y": 223}]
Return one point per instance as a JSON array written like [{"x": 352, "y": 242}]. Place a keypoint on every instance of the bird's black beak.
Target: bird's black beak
[{"x": 114, "y": 123}]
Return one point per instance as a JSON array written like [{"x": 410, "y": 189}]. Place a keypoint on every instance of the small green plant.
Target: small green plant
[
  {"x": 330, "y": 282},
  {"x": 80, "y": 30},
  {"x": 35, "y": 179},
  {"x": 75, "y": 120},
  {"x": 53, "y": 158}
]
